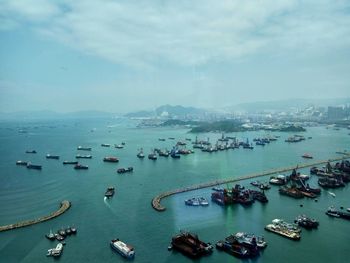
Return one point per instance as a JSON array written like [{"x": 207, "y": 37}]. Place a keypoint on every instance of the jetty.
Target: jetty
[
  {"x": 65, "y": 205},
  {"x": 157, "y": 199}
]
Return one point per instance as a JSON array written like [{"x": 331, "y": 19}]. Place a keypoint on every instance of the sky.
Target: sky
[{"x": 121, "y": 56}]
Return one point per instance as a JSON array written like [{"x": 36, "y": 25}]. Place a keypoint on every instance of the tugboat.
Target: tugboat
[
  {"x": 49, "y": 156},
  {"x": 51, "y": 235},
  {"x": 78, "y": 156},
  {"x": 109, "y": 192},
  {"x": 34, "y": 166},
  {"x": 306, "y": 222},
  {"x": 81, "y": 148},
  {"x": 70, "y": 162},
  {"x": 140, "y": 154},
  {"x": 55, "y": 252},
  {"x": 190, "y": 245},
  {"x": 81, "y": 167},
  {"x": 21, "y": 163},
  {"x": 111, "y": 159},
  {"x": 123, "y": 249}
]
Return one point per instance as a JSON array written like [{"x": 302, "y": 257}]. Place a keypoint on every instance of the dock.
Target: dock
[
  {"x": 157, "y": 199},
  {"x": 65, "y": 205}
]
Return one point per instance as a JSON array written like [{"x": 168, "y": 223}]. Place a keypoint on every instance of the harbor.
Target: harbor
[{"x": 156, "y": 201}]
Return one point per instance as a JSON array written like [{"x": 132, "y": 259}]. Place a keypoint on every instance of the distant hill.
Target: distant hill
[
  {"x": 282, "y": 105},
  {"x": 177, "y": 111}
]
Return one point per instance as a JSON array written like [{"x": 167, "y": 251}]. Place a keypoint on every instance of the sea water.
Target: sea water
[{"x": 28, "y": 194}]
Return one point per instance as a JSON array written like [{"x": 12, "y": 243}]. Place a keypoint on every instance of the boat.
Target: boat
[
  {"x": 171, "y": 138},
  {"x": 59, "y": 237},
  {"x": 290, "y": 191},
  {"x": 192, "y": 201},
  {"x": 190, "y": 245},
  {"x": 109, "y": 192},
  {"x": 68, "y": 231},
  {"x": 306, "y": 222},
  {"x": 49, "y": 156},
  {"x": 288, "y": 226},
  {"x": 21, "y": 163},
  {"x": 81, "y": 148},
  {"x": 55, "y": 252},
  {"x": 152, "y": 156},
  {"x": 282, "y": 231},
  {"x": 81, "y": 167},
  {"x": 34, "y": 166},
  {"x": 105, "y": 145},
  {"x": 307, "y": 156},
  {"x": 331, "y": 211},
  {"x": 73, "y": 229},
  {"x": 119, "y": 146},
  {"x": 31, "y": 151},
  {"x": 203, "y": 201},
  {"x": 51, "y": 235},
  {"x": 123, "y": 249},
  {"x": 125, "y": 170},
  {"x": 235, "y": 249},
  {"x": 78, "y": 156},
  {"x": 70, "y": 162},
  {"x": 161, "y": 139},
  {"x": 111, "y": 159},
  {"x": 140, "y": 154},
  {"x": 348, "y": 209},
  {"x": 248, "y": 240},
  {"x": 278, "y": 180}
]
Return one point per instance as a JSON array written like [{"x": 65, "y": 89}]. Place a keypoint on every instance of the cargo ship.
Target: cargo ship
[
  {"x": 283, "y": 231},
  {"x": 21, "y": 163},
  {"x": 190, "y": 245},
  {"x": 78, "y": 156},
  {"x": 49, "y": 156},
  {"x": 111, "y": 159},
  {"x": 81, "y": 167},
  {"x": 81, "y": 148},
  {"x": 125, "y": 170},
  {"x": 123, "y": 249},
  {"x": 34, "y": 166},
  {"x": 105, "y": 145},
  {"x": 70, "y": 162}
]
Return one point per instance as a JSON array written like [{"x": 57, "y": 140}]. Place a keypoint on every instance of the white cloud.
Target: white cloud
[{"x": 185, "y": 32}]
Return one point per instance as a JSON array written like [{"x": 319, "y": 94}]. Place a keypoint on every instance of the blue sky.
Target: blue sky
[{"x": 120, "y": 56}]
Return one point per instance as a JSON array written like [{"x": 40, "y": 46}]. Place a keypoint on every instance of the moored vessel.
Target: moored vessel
[
  {"x": 78, "y": 156},
  {"x": 70, "y": 162},
  {"x": 306, "y": 222},
  {"x": 50, "y": 156},
  {"x": 125, "y": 170},
  {"x": 111, "y": 159},
  {"x": 81, "y": 148},
  {"x": 81, "y": 167},
  {"x": 34, "y": 166},
  {"x": 21, "y": 162},
  {"x": 55, "y": 252}
]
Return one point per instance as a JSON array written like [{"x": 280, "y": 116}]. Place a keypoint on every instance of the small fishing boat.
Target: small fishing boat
[
  {"x": 51, "y": 235},
  {"x": 109, "y": 192}
]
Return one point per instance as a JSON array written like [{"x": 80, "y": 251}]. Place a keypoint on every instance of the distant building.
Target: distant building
[{"x": 336, "y": 113}]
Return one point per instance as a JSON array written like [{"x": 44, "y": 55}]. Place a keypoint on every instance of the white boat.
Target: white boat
[
  {"x": 203, "y": 201},
  {"x": 55, "y": 252},
  {"x": 122, "y": 248},
  {"x": 332, "y": 194}
]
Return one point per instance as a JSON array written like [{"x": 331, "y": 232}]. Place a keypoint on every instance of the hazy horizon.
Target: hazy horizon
[{"x": 119, "y": 57}]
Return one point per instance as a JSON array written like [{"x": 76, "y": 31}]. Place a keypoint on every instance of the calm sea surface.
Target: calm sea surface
[{"x": 27, "y": 194}]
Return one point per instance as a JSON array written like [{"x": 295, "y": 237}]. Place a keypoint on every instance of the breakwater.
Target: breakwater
[
  {"x": 65, "y": 205},
  {"x": 157, "y": 199}
]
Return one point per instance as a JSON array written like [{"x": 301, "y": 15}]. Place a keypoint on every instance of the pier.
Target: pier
[
  {"x": 157, "y": 199},
  {"x": 65, "y": 205}
]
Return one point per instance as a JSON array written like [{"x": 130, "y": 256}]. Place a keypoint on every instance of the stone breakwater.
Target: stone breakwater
[
  {"x": 65, "y": 205},
  {"x": 157, "y": 199}
]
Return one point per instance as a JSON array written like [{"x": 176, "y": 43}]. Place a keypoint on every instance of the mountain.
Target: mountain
[
  {"x": 282, "y": 105},
  {"x": 176, "y": 111}
]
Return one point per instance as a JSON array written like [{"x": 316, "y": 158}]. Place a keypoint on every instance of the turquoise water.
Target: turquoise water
[{"x": 27, "y": 194}]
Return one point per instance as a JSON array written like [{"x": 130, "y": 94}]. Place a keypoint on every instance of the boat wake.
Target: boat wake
[{"x": 332, "y": 194}]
